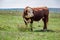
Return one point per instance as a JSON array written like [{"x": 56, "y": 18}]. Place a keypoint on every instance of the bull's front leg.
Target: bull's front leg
[
  {"x": 25, "y": 22},
  {"x": 31, "y": 23}
]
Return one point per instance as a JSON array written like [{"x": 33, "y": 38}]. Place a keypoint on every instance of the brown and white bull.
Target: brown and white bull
[{"x": 36, "y": 14}]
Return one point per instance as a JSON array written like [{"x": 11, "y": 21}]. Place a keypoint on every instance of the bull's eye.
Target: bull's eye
[{"x": 26, "y": 12}]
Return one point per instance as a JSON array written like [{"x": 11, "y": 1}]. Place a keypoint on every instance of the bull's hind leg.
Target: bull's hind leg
[{"x": 45, "y": 20}]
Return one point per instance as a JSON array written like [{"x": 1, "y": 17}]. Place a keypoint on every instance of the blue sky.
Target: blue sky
[{"x": 31, "y": 3}]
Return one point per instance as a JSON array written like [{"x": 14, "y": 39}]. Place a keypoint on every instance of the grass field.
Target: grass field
[{"x": 12, "y": 27}]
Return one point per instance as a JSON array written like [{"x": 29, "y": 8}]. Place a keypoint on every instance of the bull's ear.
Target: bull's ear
[{"x": 23, "y": 13}]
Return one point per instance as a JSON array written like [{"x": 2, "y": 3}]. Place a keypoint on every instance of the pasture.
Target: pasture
[{"x": 12, "y": 27}]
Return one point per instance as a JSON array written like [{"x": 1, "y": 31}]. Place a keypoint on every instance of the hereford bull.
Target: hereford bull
[{"x": 35, "y": 14}]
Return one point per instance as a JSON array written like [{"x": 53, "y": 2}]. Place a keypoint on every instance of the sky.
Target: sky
[{"x": 31, "y": 3}]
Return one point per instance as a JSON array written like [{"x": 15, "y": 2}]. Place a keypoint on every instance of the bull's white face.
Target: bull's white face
[{"x": 29, "y": 13}]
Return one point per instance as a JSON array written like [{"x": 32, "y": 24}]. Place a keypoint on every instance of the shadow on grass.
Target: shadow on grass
[
  {"x": 2, "y": 28},
  {"x": 44, "y": 31}
]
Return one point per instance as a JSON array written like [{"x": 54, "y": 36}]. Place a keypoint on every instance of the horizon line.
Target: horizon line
[{"x": 12, "y": 8}]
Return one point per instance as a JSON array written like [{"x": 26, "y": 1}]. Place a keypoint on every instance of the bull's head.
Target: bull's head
[{"x": 29, "y": 12}]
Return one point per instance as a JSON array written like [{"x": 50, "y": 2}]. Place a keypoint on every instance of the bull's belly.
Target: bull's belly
[{"x": 37, "y": 18}]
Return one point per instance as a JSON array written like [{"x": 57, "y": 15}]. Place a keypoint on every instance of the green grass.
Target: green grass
[{"x": 13, "y": 28}]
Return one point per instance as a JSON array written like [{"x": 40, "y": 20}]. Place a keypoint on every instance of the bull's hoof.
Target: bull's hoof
[{"x": 44, "y": 29}]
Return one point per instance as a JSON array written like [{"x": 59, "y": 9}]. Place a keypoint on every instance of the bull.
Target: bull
[{"x": 36, "y": 14}]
